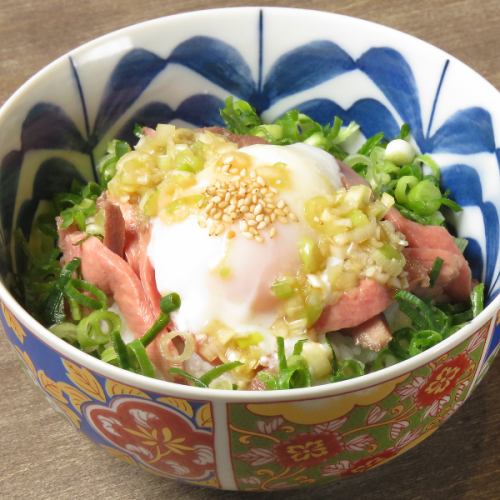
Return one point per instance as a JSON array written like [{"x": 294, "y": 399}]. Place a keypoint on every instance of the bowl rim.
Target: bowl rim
[{"x": 242, "y": 396}]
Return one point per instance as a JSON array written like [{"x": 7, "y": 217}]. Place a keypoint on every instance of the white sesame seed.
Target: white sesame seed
[{"x": 247, "y": 234}]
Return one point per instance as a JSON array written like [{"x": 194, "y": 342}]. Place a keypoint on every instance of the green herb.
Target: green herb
[
  {"x": 96, "y": 330},
  {"x": 138, "y": 130},
  {"x": 436, "y": 269},
  {"x": 241, "y": 118},
  {"x": 209, "y": 376},
  {"x": 347, "y": 369},
  {"x": 477, "y": 299},
  {"x": 133, "y": 356},
  {"x": 107, "y": 165},
  {"x": 293, "y": 372}
]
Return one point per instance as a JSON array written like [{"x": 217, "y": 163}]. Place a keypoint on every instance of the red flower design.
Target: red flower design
[
  {"x": 155, "y": 435},
  {"x": 306, "y": 450},
  {"x": 369, "y": 462},
  {"x": 442, "y": 381}
]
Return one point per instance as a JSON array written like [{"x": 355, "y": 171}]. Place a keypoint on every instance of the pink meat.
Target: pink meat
[
  {"x": 350, "y": 177},
  {"x": 373, "y": 334},
  {"x": 356, "y": 306},
  {"x": 114, "y": 227},
  {"x": 419, "y": 263},
  {"x": 437, "y": 238},
  {"x": 114, "y": 276}
]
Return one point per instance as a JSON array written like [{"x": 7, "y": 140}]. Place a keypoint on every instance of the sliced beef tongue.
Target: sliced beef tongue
[
  {"x": 114, "y": 226},
  {"x": 114, "y": 276},
  {"x": 425, "y": 244},
  {"x": 373, "y": 334},
  {"x": 355, "y": 307}
]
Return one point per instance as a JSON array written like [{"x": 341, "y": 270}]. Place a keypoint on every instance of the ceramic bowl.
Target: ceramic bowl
[{"x": 180, "y": 69}]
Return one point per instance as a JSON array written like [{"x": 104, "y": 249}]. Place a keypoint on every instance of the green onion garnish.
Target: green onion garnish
[
  {"x": 436, "y": 269},
  {"x": 477, "y": 299}
]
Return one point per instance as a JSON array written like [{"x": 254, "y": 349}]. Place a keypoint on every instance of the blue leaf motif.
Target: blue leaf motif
[
  {"x": 47, "y": 126},
  {"x": 54, "y": 175},
  {"x": 201, "y": 110},
  {"x": 388, "y": 69},
  {"x": 129, "y": 79},
  {"x": 218, "y": 62},
  {"x": 372, "y": 116},
  {"x": 305, "y": 67},
  {"x": 468, "y": 131},
  {"x": 465, "y": 186},
  {"x": 9, "y": 180},
  {"x": 148, "y": 116}
]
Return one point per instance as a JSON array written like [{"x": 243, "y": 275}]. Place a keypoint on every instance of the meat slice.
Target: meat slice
[
  {"x": 114, "y": 276},
  {"x": 356, "y": 306},
  {"x": 438, "y": 238},
  {"x": 373, "y": 334},
  {"x": 419, "y": 264},
  {"x": 114, "y": 227},
  {"x": 350, "y": 177}
]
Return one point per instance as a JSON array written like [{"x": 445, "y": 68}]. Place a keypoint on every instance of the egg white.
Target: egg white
[{"x": 186, "y": 259}]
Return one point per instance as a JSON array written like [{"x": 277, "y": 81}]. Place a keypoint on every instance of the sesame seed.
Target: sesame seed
[
  {"x": 261, "y": 225},
  {"x": 259, "y": 218},
  {"x": 272, "y": 232},
  {"x": 259, "y": 239},
  {"x": 247, "y": 234},
  {"x": 258, "y": 209}
]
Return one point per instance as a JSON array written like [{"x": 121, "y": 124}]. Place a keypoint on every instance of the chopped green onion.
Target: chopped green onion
[
  {"x": 184, "y": 374},
  {"x": 297, "y": 348},
  {"x": 404, "y": 131},
  {"x": 138, "y": 130},
  {"x": 370, "y": 144},
  {"x": 296, "y": 374},
  {"x": 429, "y": 162},
  {"x": 347, "y": 369},
  {"x": 209, "y": 376},
  {"x": 436, "y": 269},
  {"x": 138, "y": 358},
  {"x": 120, "y": 349},
  {"x": 283, "y": 288},
  {"x": 461, "y": 243},
  {"x": 477, "y": 299},
  {"x": 424, "y": 198},
  {"x": 212, "y": 374},
  {"x": 403, "y": 187},
  {"x": 168, "y": 304},
  {"x": 423, "y": 340},
  {"x": 91, "y": 297},
  {"x": 90, "y": 331},
  {"x": 281, "y": 353}
]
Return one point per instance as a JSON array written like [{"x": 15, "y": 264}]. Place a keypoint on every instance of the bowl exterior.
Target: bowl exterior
[
  {"x": 58, "y": 125},
  {"x": 254, "y": 446}
]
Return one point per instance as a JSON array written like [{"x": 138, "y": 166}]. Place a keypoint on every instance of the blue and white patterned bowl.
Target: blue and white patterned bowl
[{"x": 180, "y": 69}]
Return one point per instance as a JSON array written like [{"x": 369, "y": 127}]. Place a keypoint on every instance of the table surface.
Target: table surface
[{"x": 41, "y": 457}]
